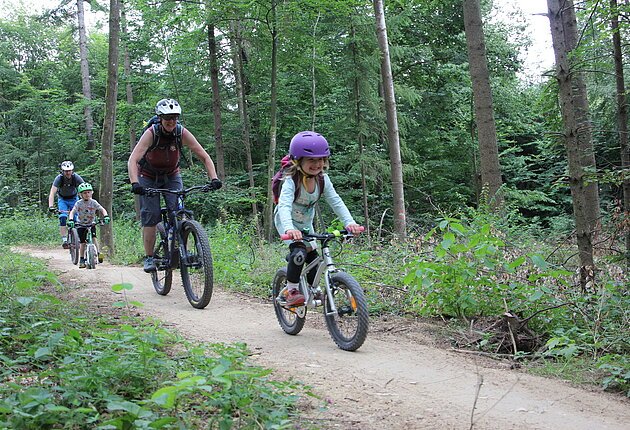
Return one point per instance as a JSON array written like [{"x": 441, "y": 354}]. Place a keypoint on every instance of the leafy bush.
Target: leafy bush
[{"x": 471, "y": 272}]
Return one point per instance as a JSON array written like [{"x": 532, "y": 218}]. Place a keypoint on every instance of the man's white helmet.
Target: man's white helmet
[
  {"x": 67, "y": 165},
  {"x": 168, "y": 107}
]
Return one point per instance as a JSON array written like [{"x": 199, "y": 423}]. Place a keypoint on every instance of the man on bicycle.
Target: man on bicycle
[
  {"x": 65, "y": 187},
  {"x": 154, "y": 163}
]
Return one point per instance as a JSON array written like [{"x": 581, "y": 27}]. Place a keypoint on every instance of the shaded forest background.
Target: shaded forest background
[{"x": 328, "y": 80}]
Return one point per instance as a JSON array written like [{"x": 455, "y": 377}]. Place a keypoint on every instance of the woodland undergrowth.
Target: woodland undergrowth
[{"x": 498, "y": 288}]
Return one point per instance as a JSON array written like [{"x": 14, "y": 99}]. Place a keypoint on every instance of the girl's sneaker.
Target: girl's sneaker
[
  {"x": 294, "y": 298},
  {"x": 82, "y": 263}
]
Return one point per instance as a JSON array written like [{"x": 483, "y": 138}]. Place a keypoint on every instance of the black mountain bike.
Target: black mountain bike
[
  {"x": 345, "y": 308},
  {"x": 183, "y": 243}
]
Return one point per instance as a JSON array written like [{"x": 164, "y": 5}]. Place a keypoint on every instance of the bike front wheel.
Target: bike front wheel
[
  {"x": 162, "y": 277},
  {"x": 196, "y": 264},
  {"x": 348, "y": 325},
  {"x": 73, "y": 243},
  {"x": 91, "y": 255},
  {"x": 288, "y": 319}
]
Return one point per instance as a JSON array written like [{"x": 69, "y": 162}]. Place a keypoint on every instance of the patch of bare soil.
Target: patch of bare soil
[{"x": 399, "y": 379}]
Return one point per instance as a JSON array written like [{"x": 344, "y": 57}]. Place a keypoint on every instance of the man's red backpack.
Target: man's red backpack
[{"x": 276, "y": 181}]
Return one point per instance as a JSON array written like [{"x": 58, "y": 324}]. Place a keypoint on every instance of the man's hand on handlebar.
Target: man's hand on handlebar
[
  {"x": 136, "y": 188},
  {"x": 214, "y": 184},
  {"x": 52, "y": 209}
]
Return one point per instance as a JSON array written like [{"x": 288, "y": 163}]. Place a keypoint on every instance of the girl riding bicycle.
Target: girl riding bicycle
[
  {"x": 86, "y": 209},
  {"x": 295, "y": 211}
]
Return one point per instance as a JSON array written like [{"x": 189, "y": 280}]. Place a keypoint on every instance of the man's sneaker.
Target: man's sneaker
[
  {"x": 82, "y": 263},
  {"x": 149, "y": 265},
  {"x": 294, "y": 298},
  {"x": 100, "y": 257},
  {"x": 65, "y": 244}
]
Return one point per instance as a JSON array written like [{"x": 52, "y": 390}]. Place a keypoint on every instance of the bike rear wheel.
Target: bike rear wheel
[
  {"x": 195, "y": 264},
  {"x": 163, "y": 276},
  {"x": 73, "y": 243},
  {"x": 91, "y": 255},
  {"x": 288, "y": 319},
  {"x": 348, "y": 326}
]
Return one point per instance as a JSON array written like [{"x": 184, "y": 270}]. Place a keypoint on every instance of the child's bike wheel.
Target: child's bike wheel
[
  {"x": 91, "y": 255},
  {"x": 163, "y": 276},
  {"x": 288, "y": 319},
  {"x": 73, "y": 243},
  {"x": 197, "y": 274},
  {"x": 348, "y": 326}
]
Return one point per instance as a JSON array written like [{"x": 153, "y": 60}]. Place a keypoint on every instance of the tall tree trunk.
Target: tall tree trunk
[
  {"x": 400, "y": 216},
  {"x": 85, "y": 77},
  {"x": 313, "y": 79},
  {"x": 216, "y": 103},
  {"x": 109, "y": 125},
  {"x": 577, "y": 134},
  {"x": 273, "y": 126},
  {"x": 237, "y": 57},
  {"x": 129, "y": 93},
  {"x": 359, "y": 127},
  {"x": 482, "y": 96},
  {"x": 622, "y": 118}
]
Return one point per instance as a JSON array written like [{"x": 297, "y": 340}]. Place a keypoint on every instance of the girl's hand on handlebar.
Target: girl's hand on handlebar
[
  {"x": 292, "y": 235},
  {"x": 355, "y": 228}
]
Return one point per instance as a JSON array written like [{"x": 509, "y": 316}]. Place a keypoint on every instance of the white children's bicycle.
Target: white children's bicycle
[{"x": 342, "y": 298}]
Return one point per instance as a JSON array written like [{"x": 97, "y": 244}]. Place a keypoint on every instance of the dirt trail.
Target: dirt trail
[{"x": 392, "y": 382}]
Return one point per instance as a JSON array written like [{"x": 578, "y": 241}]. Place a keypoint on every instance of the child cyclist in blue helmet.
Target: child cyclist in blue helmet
[{"x": 295, "y": 211}]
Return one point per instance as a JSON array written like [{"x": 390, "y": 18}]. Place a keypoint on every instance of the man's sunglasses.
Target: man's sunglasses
[{"x": 169, "y": 117}]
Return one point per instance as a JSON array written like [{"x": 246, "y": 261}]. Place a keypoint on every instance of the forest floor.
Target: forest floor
[{"x": 399, "y": 379}]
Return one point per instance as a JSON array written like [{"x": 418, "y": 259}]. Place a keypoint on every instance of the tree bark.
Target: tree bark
[
  {"x": 359, "y": 127},
  {"x": 216, "y": 103},
  {"x": 400, "y": 217},
  {"x": 237, "y": 56},
  {"x": 85, "y": 77},
  {"x": 128, "y": 93},
  {"x": 484, "y": 113},
  {"x": 273, "y": 126},
  {"x": 109, "y": 126},
  {"x": 622, "y": 117},
  {"x": 577, "y": 134}
]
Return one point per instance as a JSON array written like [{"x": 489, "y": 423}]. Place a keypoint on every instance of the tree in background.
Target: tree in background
[
  {"x": 85, "y": 76},
  {"x": 577, "y": 134},
  {"x": 622, "y": 117},
  {"x": 484, "y": 114},
  {"x": 400, "y": 215},
  {"x": 109, "y": 125}
]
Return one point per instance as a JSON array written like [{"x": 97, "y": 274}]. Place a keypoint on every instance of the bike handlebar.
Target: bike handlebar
[
  {"x": 323, "y": 236},
  {"x": 202, "y": 188}
]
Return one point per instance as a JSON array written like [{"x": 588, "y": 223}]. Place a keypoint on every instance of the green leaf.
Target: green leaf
[
  {"x": 539, "y": 262},
  {"x": 42, "y": 352},
  {"x": 122, "y": 286}
]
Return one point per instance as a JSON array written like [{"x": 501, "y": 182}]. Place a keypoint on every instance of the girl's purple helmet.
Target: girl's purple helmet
[{"x": 309, "y": 144}]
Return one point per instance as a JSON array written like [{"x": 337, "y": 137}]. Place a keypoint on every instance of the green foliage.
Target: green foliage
[
  {"x": 60, "y": 371},
  {"x": 471, "y": 272}
]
